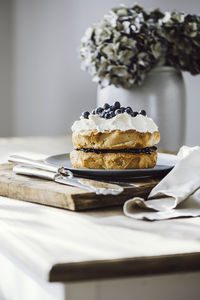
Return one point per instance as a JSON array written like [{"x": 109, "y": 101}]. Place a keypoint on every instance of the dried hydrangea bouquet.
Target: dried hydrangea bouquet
[{"x": 137, "y": 57}]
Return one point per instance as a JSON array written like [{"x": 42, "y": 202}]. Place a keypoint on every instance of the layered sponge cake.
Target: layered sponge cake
[{"x": 114, "y": 137}]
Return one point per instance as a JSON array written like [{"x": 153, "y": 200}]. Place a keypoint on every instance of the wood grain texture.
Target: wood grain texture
[
  {"x": 115, "y": 268},
  {"x": 54, "y": 194}
]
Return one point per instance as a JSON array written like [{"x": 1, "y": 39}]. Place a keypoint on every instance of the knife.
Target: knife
[
  {"x": 98, "y": 187},
  {"x": 62, "y": 175}
]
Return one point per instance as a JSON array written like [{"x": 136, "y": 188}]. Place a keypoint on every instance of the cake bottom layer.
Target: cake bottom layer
[{"x": 118, "y": 161}]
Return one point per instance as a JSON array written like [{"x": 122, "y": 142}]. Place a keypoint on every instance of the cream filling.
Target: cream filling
[{"x": 121, "y": 122}]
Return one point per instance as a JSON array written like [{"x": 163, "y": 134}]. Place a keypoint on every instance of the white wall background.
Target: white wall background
[{"x": 48, "y": 88}]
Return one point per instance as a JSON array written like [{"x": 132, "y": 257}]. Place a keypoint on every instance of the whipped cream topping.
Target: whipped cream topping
[{"x": 121, "y": 122}]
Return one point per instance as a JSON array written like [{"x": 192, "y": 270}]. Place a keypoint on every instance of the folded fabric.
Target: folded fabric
[{"x": 177, "y": 195}]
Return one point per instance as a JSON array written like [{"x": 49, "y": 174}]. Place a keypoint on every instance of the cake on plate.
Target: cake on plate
[{"x": 114, "y": 137}]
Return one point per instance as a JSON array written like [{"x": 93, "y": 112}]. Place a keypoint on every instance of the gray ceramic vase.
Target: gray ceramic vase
[{"x": 162, "y": 95}]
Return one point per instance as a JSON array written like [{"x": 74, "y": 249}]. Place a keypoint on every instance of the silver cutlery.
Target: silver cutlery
[
  {"x": 40, "y": 165},
  {"x": 62, "y": 175}
]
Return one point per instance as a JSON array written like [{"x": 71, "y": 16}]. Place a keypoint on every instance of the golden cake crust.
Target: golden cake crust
[
  {"x": 119, "y": 161},
  {"x": 115, "y": 139}
]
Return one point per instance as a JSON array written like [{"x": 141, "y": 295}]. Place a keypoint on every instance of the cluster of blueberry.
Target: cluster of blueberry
[{"x": 110, "y": 111}]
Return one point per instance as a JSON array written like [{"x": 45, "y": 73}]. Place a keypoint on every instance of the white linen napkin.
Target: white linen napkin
[{"x": 177, "y": 195}]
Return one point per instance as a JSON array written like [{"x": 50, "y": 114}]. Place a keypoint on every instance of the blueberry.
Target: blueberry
[
  {"x": 101, "y": 109},
  {"x": 103, "y": 114},
  {"x": 123, "y": 109},
  {"x": 118, "y": 111},
  {"x": 93, "y": 112},
  {"x": 142, "y": 112},
  {"x": 112, "y": 108},
  {"x": 116, "y": 105},
  {"x": 106, "y": 106},
  {"x": 112, "y": 114},
  {"x": 85, "y": 114},
  {"x": 128, "y": 107},
  {"x": 128, "y": 110},
  {"x": 98, "y": 110},
  {"x": 107, "y": 115},
  {"x": 134, "y": 114}
]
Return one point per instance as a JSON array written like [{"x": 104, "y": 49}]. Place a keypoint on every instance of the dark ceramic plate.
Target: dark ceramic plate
[{"x": 164, "y": 164}]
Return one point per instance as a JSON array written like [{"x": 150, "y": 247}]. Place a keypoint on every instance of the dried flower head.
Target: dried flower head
[
  {"x": 128, "y": 42},
  {"x": 182, "y": 32}
]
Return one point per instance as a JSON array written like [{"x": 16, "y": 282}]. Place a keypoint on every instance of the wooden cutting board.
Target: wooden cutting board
[{"x": 63, "y": 196}]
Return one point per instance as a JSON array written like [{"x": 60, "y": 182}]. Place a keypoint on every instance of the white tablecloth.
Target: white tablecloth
[{"x": 36, "y": 237}]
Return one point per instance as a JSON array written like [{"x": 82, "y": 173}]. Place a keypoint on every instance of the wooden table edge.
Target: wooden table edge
[{"x": 130, "y": 267}]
